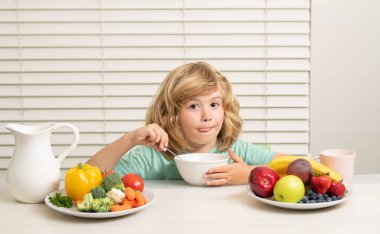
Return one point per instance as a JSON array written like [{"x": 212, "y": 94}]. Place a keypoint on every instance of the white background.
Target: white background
[{"x": 345, "y": 84}]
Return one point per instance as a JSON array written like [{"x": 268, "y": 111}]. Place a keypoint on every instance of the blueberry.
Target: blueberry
[
  {"x": 339, "y": 197},
  {"x": 329, "y": 199},
  {"x": 334, "y": 198},
  {"x": 309, "y": 192}
]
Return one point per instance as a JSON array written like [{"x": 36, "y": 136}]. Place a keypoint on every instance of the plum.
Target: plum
[{"x": 301, "y": 168}]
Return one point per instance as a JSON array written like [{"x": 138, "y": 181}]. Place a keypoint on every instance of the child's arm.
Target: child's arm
[{"x": 150, "y": 135}]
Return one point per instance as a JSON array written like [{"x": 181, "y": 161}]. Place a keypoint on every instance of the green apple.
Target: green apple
[{"x": 289, "y": 188}]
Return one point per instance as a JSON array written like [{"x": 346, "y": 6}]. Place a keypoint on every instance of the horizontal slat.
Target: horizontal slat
[
  {"x": 151, "y": 28},
  {"x": 152, "y": 65},
  {"x": 275, "y": 137},
  {"x": 277, "y": 113},
  {"x": 82, "y": 41},
  {"x": 276, "y": 125},
  {"x": 157, "y": 15},
  {"x": 292, "y": 149},
  {"x": 139, "y": 90},
  {"x": 89, "y": 4},
  {"x": 144, "y": 77},
  {"x": 273, "y": 101},
  {"x": 153, "y": 4},
  {"x": 157, "y": 53}
]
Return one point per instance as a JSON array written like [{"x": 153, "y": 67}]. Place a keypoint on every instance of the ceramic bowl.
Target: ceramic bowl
[{"x": 193, "y": 167}]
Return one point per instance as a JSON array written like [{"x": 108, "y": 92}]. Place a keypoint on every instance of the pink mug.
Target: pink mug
[{"x": 340, "y": 160}]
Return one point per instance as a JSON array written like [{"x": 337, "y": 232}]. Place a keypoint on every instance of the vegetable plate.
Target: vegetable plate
[{"x": 73, "y": 211}]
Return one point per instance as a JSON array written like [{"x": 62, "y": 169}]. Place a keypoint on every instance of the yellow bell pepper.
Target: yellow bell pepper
[{"x": 81, "y": 179}]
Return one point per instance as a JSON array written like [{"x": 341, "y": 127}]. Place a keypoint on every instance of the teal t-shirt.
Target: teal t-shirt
[{"x": 152, "y": 165}]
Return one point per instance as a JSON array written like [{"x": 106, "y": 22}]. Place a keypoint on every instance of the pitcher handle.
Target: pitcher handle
[{"x": 72, "y": 146}]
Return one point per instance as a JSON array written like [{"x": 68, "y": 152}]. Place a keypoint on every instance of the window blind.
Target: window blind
[{"x": 97, "y": 64}]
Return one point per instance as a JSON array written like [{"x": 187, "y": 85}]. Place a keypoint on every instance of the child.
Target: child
[{"x": 194, "y": 111}]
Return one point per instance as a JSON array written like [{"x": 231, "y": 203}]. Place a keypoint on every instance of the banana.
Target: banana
[{"x": 280, "y": 164}]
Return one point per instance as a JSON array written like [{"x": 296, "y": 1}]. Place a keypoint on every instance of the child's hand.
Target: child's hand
[
  {"x": 230, "y": 174},
  {"x": 151, "y": 135}
]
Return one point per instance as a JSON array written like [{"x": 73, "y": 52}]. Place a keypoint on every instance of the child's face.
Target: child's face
[{"x": 201, "y": 119}]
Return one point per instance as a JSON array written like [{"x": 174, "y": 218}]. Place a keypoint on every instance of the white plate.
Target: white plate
[
  {"x": 75, "y": 212},
  {"x": 299, "y": 206}
]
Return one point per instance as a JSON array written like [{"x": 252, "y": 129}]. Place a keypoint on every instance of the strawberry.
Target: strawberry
[
  {"x": 337, "y": 189},
  {"x": 320, "y": 183}
]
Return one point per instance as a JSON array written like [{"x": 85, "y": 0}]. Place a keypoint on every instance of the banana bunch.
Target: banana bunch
[{"x": 280, "y": 164}]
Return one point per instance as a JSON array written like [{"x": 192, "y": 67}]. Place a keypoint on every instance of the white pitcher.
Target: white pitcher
[{"x": 34, "y": 171}]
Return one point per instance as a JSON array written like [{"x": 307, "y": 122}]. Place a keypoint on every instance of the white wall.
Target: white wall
[{"x": 345, "y": 79}]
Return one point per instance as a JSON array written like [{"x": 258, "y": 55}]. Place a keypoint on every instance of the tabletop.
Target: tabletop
[{"x": 181, "y": 208}]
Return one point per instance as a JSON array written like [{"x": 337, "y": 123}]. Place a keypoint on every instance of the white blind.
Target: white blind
[{"x": 98, "y": 63}]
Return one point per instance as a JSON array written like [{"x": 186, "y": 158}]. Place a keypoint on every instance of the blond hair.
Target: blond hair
[{"x": 182, "y": 84}]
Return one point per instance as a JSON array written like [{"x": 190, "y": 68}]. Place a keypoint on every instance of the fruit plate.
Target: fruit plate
[
  {"x": 298, "y": 206},
  {"x": 73, "y": 211}
]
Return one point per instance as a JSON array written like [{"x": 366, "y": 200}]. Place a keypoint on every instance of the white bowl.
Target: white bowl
[{"x": 193, "y": 167}]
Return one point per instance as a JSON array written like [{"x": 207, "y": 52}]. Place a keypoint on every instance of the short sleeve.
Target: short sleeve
[
  {"x": 252, "y": 154},
  {"x": 148, "y": 163},
  {"x": 133, "y": 162}
]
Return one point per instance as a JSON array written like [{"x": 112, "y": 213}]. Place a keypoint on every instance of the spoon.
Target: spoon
[{"x": 170, "y": 151}]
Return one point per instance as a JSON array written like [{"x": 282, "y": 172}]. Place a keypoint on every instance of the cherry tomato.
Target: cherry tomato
[
  {"x": 106, "y": 173},
  {"x": 134, "y": 181}
]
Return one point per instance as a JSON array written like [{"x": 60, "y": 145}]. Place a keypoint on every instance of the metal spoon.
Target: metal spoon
[{"x": 170, "y": 151}]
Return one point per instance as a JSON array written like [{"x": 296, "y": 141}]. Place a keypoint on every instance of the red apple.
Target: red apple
[{"x": 262, "y": 180}]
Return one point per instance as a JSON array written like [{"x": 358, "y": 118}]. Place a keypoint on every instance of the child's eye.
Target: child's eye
[
  {"x": 215, "y": 104},
  {"x": 194, "y": 106}
]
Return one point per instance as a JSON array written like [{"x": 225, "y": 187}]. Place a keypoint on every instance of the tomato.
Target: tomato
[
  {"x": 134, "y": 181},
  {"x": 106, "y": 173}
]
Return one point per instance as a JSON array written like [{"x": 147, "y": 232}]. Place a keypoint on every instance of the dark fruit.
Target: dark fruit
[
  {"x": 301, "y": 168},
  {"x": 262, "y": 180}
]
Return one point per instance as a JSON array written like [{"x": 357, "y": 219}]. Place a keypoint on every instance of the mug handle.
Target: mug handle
[
  {"x": 75, "y": 142},
  {"x": 316, "y": 157}
]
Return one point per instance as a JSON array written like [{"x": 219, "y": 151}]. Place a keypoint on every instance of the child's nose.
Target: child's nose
[
  {"x": 206, "y": 116},
  {"x": 206, "y": 119}
]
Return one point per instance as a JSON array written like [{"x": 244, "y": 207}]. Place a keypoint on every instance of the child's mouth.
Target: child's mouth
[{"x": 204, "y": 129}]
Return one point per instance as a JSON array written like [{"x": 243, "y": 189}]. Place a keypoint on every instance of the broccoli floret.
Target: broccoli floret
[
  {"x": 119, "y": 187},
  {"x": 85, "y": 205},
  {"x": 102, "y": 204},
  {"x": 98, "y": 192},
  {"x": 112, "y": 181}
]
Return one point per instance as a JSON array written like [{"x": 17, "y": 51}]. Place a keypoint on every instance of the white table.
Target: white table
[{"x": 180, "y": 208}]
